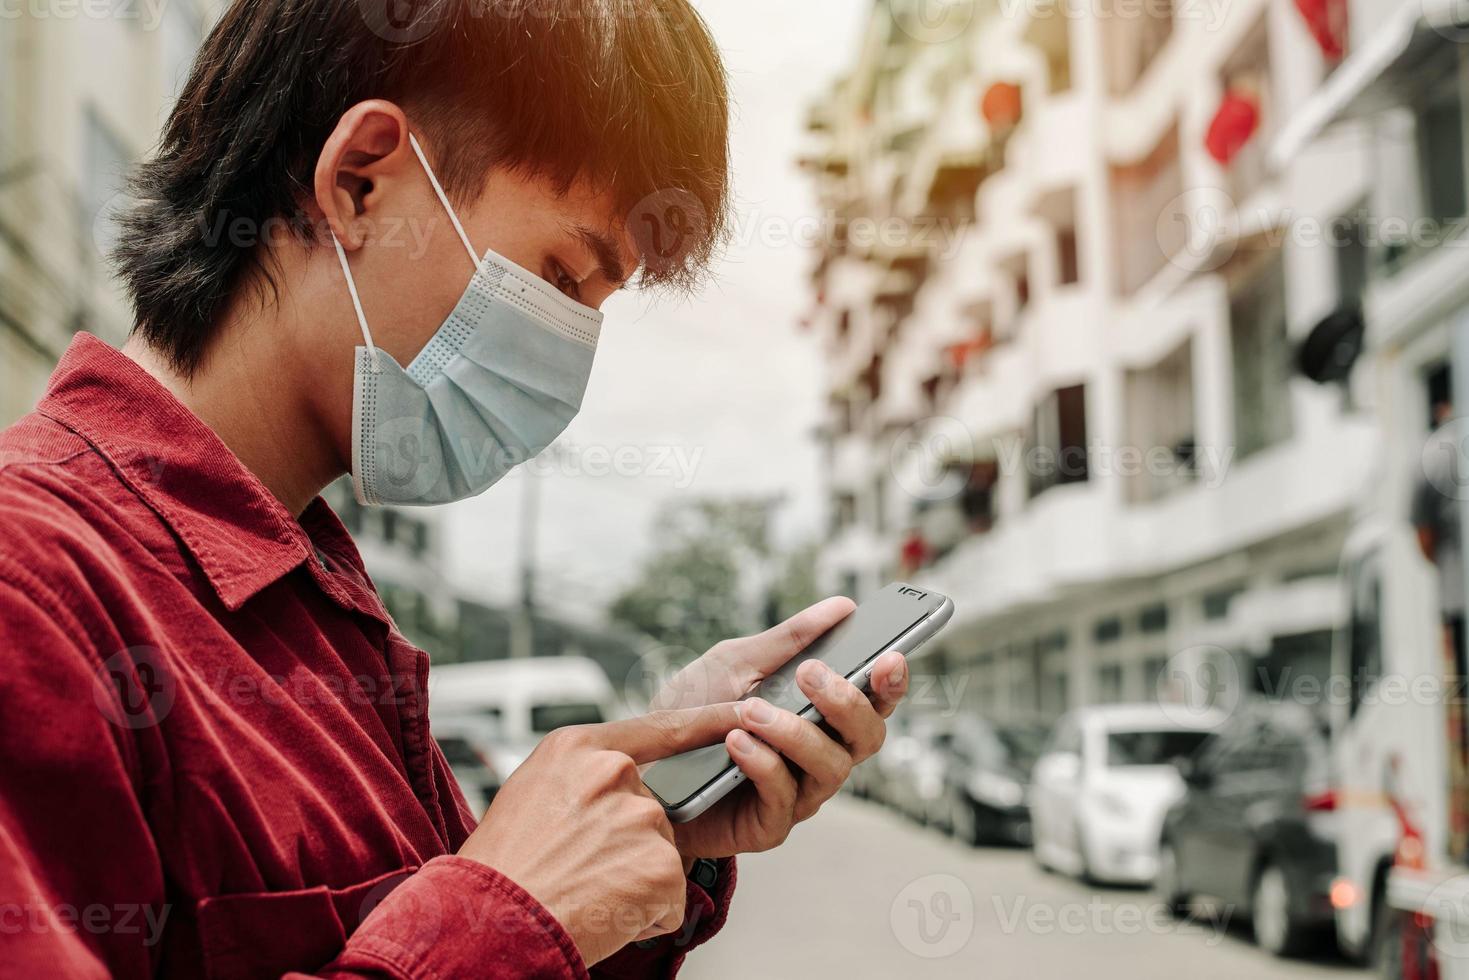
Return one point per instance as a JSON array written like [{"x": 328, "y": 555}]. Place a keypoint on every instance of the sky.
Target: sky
[{"x": 716, "y": 395}]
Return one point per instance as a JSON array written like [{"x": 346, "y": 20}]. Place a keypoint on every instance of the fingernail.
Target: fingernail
[
  {"x": 758, "y": 711},
  {"x": 742, "y": 743},
  {"x": 816, "y": 672},
  {"x": 895, "y": 676}
]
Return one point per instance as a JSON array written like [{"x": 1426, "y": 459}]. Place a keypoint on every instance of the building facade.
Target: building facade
[
  {"x": 84, "y": 89},
  {"x": 1076, "y": 250}
]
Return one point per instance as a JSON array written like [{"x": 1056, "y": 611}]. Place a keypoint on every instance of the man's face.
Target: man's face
[{"x": 418, "y": 270}]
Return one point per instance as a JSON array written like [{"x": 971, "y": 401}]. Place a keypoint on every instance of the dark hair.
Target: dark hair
[{"x": 628, "y": 95}]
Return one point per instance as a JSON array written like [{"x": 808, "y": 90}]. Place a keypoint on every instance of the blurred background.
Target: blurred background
[{"x": 1134, "y": 326}]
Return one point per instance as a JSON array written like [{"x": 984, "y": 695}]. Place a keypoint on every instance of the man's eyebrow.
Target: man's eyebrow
[{"x": 608, "y": 256}]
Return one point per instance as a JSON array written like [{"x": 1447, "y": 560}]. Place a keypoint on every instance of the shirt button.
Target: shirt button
[{"x": 646, "y": 943}]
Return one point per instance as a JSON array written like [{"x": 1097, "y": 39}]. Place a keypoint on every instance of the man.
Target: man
[
  {"x": 374, "y": 245},
  {"x": 1436, "y": 516}
]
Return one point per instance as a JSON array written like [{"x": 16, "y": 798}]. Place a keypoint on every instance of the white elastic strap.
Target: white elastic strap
[
  {"x": 444, "y": 200},
  {"x": 357, "y": 304}
]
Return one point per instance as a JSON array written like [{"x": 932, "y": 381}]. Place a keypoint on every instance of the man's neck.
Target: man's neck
[{"x": 247, "y": 394}]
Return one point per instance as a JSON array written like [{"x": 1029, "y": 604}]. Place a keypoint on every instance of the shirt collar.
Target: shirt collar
[{"x": 241, "y": 536}]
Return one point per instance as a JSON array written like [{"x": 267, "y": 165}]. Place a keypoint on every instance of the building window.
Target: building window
[
  {"x": 1049, "y": 32},
  {"x": 1149, "y": 225},
  {"x": 1132, "y": 35},
  {"x": 1262, "y": 351},
  {"x": 1351, "y": 257},
  {"x": 1058, "y": 210},
  {"x": 1058, "y": 442},
  {"x": 1432, "y": 189},
  {"x": 1160, "y": 426},
  {"x": 105, "y": 164},
  {"x": 1015, "y": 271},
  {"x": 1107, "y": 630},
  {"x": 1247, "y": 75},
  {"x": 1109, "y": 683},
  {"x": 1153, "y": 619}
]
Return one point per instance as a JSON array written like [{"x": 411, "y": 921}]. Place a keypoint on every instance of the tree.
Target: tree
[{"x": 695, "y": 588}]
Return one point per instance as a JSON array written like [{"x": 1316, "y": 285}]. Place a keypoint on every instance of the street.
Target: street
[{"x": 859, "y": 892}]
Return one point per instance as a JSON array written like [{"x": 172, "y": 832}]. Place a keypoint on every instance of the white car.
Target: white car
[
  {"x": 525, "y": 698},
  {"x": 1102, "y": 786}
]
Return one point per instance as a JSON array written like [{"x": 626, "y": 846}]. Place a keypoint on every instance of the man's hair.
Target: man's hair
[{"x": 629, "y": 96}]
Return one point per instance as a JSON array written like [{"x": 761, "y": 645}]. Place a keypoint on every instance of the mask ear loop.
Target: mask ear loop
[
  {"x": 444, "y": 200},
  {"x": 357, "y": 305}
]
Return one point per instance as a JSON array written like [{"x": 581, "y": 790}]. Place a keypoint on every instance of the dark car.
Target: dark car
[
  {"x": 987, "y": 780},
  {"x": 1255, "y": 829}
]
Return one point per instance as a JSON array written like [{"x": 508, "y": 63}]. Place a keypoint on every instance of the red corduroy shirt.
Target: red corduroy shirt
[{"x": 214, "y": 745}]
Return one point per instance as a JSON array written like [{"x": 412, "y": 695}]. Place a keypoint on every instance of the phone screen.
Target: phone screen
[{"x": 846, "y": 648}]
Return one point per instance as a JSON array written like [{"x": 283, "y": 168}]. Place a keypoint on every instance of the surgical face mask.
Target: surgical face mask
[{"x": 495, "y": 385}]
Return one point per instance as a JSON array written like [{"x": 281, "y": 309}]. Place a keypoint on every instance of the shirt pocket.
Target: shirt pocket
[{"x": 266, "y": 934}]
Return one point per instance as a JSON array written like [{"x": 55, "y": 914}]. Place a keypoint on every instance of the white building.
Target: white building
[
  {"x": 84, "y": 90},
  {"x": 1081, "y": 393}
]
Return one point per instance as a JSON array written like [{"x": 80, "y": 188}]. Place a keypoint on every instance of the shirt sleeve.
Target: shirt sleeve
[
  {"x": 660, "y": 958},
  {"x": 80, "y": 879},
  {"x": 82, "y": 889}
]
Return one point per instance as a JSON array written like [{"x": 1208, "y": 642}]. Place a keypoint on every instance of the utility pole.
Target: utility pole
[{"x": 523, "y": 616}]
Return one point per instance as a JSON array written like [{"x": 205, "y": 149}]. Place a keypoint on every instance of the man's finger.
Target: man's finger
[
  {"x": 849, "y": 712},
  {"x": 662, "y": 734},
  {"x": 767, "y": 651},
  {"x": 889, "y": 682},
  {"x": 775, "y": 787}
]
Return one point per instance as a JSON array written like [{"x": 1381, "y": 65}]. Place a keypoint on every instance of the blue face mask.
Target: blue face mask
[{"x": 498, "y": 382}]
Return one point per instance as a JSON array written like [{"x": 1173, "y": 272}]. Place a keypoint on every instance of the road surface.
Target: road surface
[{"x": 859, "y": 892}]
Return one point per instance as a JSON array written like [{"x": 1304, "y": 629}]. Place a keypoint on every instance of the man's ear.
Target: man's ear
[{"x": 368, "y": 149}]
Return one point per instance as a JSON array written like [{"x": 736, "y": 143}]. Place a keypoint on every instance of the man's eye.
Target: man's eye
[{"x": 564, "y": 281}]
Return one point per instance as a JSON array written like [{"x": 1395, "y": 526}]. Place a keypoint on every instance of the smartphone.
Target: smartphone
[{"x": 899, "y": 617}]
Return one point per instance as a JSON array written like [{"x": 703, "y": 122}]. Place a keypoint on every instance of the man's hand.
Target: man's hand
[
  {"x": 575, "y": 827},
  {"x": 793, "y": 765}
]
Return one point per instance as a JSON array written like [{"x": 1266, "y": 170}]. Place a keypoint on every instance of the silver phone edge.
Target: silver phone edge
[{"x": 916, "y": 635}]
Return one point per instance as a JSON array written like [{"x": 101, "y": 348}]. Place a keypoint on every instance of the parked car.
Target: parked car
[
  {"x": 526, "y": 698},
  {"x": 913, "y": 771},
  {"x": 987, "y": 781},
  {"x": 469, "y": 743},
  {"x": 1256, "y": 828},
  {"x": 1101, "y": 788}
]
